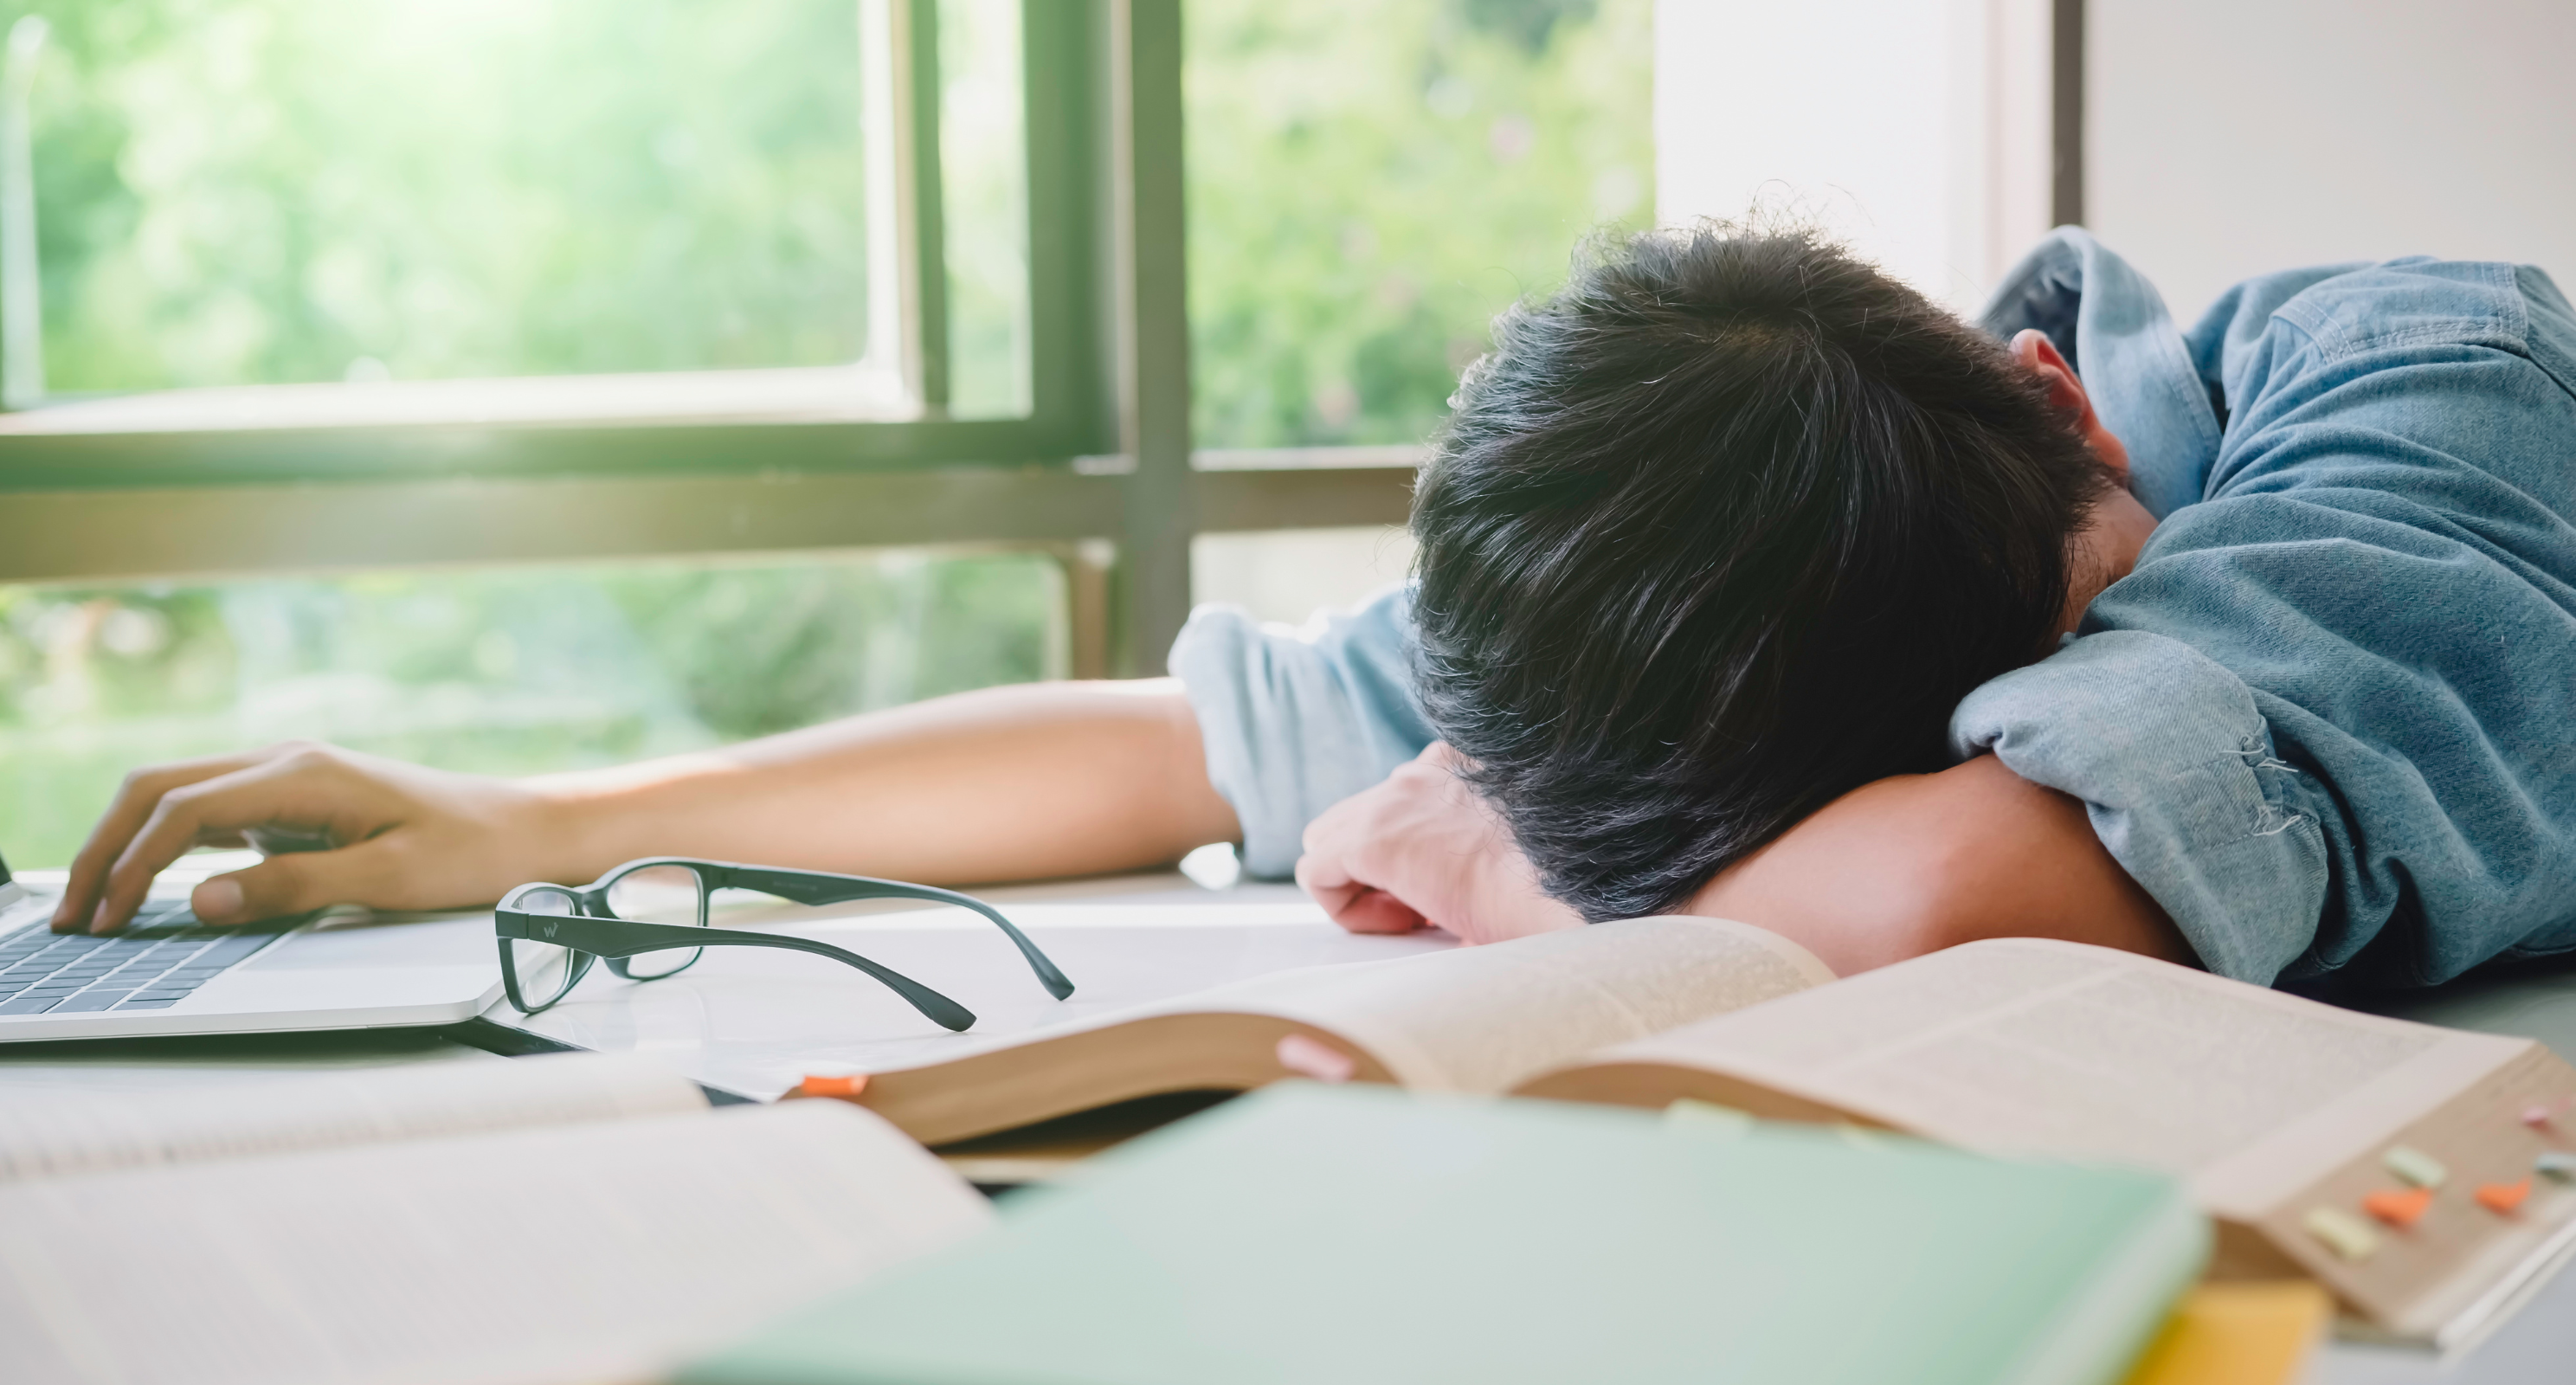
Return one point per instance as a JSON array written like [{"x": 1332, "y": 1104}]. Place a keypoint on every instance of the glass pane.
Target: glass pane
[
  {"x": 266, "y": 191},
  {"x": 984, "y": 196},
  {"x": 1371, "y": 180},
  {"x": 500, "y": 670}
]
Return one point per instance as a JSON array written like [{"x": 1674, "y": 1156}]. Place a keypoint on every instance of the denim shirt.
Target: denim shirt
[{"x": 2329, "y": 722}]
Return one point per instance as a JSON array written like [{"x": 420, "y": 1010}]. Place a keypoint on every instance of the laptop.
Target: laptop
[{"x": 169, "y": 974}]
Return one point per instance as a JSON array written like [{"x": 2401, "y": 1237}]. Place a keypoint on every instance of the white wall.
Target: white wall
[
  {"x": 2230, "y": 137},
  {"x": 1915, "y": 129}
]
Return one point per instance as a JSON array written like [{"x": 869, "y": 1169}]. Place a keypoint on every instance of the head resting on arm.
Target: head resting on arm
[{"x": 1724, "y": 529}]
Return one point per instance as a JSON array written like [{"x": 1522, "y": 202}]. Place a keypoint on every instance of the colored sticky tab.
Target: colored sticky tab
[
  {"x": 2399, "y": 1207},
  {"x": 2557, "y": 1165},
  {"x": 2503, "y": 1198},
  {"x": 2343, "y": 1233},
  {"x": 844, "y": 1085},
  {"x": 1311, "y": 1057},
  {"x": 2536, "y": 1115},
  {"x": 2415, "y": 1166}
]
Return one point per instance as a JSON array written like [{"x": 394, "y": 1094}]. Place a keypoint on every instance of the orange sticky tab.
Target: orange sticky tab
[
  {"x": 2503, "y": 1198},
  {"x": 845, "y": 1085},
  {"x": 2400, "y": 1208}
]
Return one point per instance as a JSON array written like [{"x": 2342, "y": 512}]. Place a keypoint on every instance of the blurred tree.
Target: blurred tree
[
  {"x": 1370, "y": 182},
  {"x": 261, "y": 191},
  {"x": 505, "y": 671}
]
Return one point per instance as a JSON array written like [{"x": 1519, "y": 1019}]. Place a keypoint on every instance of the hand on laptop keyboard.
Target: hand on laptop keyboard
[{"x": 418, "y": 838}]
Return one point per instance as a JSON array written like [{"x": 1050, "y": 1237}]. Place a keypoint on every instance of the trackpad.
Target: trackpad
[{"x": 383, "y": 940}]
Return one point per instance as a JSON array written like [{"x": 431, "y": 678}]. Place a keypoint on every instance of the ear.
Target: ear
[{"x": 2034, "y": 352}]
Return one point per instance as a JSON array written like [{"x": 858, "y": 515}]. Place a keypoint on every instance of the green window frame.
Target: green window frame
[{"x": 1098, "y": 473}]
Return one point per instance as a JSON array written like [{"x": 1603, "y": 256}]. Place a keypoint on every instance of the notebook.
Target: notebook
[{"x": 1353, "y": 1236}]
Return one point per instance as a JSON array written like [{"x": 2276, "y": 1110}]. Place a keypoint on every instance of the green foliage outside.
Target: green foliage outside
[
  {"x": 265, "y": 191},
  {"x": 1369, "y": 183},
  {"x": 507, "y": 671}
]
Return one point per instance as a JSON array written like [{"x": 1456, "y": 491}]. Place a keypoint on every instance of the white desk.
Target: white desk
[{"x": 690, "y": 1028}]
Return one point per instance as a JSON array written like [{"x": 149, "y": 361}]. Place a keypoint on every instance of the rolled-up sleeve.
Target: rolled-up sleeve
[
  {"x": 2324, "y": 721},
  {"x": 2175, "y": 764},
  {"x": 1298, "y": 719}
]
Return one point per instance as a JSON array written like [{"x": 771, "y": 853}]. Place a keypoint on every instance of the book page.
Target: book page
[
  {"x": 756, "y": 1020},
  {"x": 606, "y": 1251},
  {"x": 1482, "y": 1018},
  {"x": 49, "y": 1133},
  {"x": 2031, "y": 1046}
]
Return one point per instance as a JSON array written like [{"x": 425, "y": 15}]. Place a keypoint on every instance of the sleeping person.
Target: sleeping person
[{"x": 1753, "y": 583}]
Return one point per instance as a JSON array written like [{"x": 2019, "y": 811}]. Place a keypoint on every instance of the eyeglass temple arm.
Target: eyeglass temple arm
[
  {"x": 626, "y": 938},
  {"x": 812, "y": 887}
]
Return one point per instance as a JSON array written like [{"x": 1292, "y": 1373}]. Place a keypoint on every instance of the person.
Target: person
[{"x": 1753, "y": 584}]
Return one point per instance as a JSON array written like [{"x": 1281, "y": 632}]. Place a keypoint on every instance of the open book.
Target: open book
[
  {"x": 559, "y": 1218},
  {"x": 2280, "y": 1112}
]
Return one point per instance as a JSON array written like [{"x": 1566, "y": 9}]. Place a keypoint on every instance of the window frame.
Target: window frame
[{"x": 1103, "y": 454}]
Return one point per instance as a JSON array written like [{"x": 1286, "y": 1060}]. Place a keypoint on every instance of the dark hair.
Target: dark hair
[{"x": 1719, "y": 532}]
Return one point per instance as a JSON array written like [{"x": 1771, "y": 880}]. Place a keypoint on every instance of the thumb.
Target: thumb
[{"x": 290, "y": 884}]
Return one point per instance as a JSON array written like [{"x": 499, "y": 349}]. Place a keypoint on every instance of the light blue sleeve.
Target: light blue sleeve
[
  {"x": 2175, "y": 764},
  {"x": 2324, "y": 720},
  {"x": 1298, "y": 719}
]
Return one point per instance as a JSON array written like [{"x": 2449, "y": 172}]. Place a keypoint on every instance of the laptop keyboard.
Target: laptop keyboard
[{"x": 158, "y": 960}]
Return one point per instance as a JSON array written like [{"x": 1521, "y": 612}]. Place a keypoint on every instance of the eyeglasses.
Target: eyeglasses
[{"x": 648, "y": 919}]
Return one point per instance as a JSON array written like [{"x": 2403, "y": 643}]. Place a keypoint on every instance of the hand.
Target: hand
[
  {"x": 1424, "y": 848},
  {"x": 409, "y": 838}
]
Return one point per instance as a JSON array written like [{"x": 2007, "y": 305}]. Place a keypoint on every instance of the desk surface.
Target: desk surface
[{"x": 2537, "y": 1345}]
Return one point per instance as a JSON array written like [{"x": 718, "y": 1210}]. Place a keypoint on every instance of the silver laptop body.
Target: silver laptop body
[{"x": 344, "y": 969}]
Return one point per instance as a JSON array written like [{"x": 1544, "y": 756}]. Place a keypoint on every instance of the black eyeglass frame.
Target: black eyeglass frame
[{"x": 596, "y": 934}]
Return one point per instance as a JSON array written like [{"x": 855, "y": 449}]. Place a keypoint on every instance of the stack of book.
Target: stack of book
[{"x": 2010, "y": 1161}]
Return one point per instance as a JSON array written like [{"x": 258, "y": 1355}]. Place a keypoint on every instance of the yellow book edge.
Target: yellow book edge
[{"x": 2238, "y": 1332}]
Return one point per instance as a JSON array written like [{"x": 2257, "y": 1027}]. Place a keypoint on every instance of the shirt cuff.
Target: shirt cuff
[
  {"x": 1296, "y": 720},
  {"x": 2175, "y": 767}
]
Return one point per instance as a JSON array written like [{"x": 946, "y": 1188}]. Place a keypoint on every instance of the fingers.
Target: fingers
[
  {"x": 1357, "y": 907},
  {"x": 296, "y": 884},
  {"x": 1376, "y": 911},
  {"x": 306, "y": 786},
  {"x": 135, "y": 801}
]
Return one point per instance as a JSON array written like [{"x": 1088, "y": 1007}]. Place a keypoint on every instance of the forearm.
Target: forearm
[
  {"x": 1006, "y": 783},
  {"x": 1916, "y": 863}
]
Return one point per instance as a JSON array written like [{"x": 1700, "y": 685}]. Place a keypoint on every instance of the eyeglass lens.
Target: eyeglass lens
[
  {"x": 659, "y": 894},
  {"x": 544, "y": 969}
]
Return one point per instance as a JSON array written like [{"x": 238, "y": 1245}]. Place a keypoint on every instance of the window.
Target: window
[
  {"x": 268, "y": 192},
  {"x": 653, "y": 373},
  {"x": 509, "y": 671}
]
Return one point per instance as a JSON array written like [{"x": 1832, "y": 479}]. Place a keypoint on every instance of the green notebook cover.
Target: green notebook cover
[{"x": 1354, "y": 1235}]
